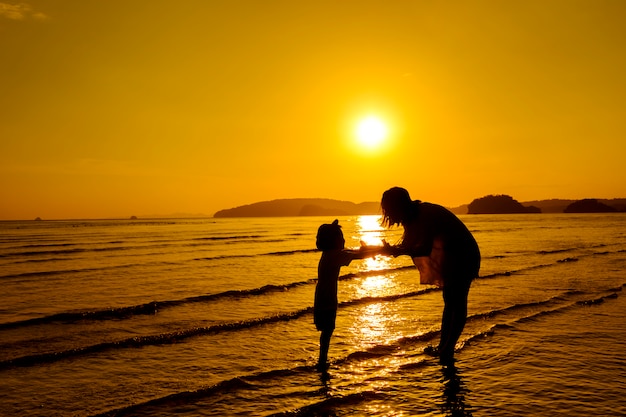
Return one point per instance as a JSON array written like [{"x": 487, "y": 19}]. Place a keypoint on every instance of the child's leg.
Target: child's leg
[
  {"x": 325, "y": 322},
  {"x": 324, "y": 346}
]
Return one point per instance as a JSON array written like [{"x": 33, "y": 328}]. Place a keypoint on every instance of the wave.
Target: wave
[
  {"x": 563, "y": 250},
  {"x": 152, "y": 340},
  {"x": 279, "y": 253},
  {"x": 67, "y": 271},
  {"x": 596, "y": 301},
  {"x": 252, "y": 383},
  {"x": 245, "y": 382},
  {"x": 539, "y": 266},
  {"x": 150, "y": 308},
  {"x": 290, "y": 252},
  {"x": 537, "y": 314},
  {"x": 351, "y": 395},
  {"x": 154, "y": 307},
  {"x": 82, "y": 250},
  {"x": 178, "y": 397},
  {"x": 45, "y": 245},
  {"x": 327, "y": 406},
  {"x": 175, "y": 337},
  {"x": 549, "y": 252},
  {"x": 43, "y": 253},
  {"x": 236, "y": 256},
  {"x": 32, "y": 261},
  {"x": 556, "y": 304},
  {"x": 45, "y": 249},
  {"x": 229, "y": 237}
]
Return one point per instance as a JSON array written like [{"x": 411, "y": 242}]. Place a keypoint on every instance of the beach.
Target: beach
[{"x": 213, "y": 317}]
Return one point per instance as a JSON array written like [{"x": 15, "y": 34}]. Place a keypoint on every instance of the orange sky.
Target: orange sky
[{"x": 116, "y": 108}]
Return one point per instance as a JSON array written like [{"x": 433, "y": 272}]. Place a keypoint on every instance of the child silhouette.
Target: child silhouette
[{"x": 331, "y": 242}]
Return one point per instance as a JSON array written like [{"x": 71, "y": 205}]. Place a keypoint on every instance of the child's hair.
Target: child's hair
[{"x": 329, "y": 236}]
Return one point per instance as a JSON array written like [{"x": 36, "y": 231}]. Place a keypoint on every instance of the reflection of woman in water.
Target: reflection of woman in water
[{"x": 444, "y": 251}]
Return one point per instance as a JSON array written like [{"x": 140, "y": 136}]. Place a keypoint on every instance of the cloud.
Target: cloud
[{"x": 19, "y": 11}]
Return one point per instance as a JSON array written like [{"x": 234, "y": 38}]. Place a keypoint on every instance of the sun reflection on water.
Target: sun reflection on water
[
  {"x": 372, "y": 325},
  {"x": 374, "y": 286},
  {"x": 370, "y": 230}
]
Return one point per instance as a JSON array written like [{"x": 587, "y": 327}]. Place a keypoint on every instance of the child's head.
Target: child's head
[{"x": 329, "y": 236}]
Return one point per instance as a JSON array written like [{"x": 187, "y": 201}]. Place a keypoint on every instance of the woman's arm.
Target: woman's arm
[
  {"x": 419, "y": 234},
  {"x": 413, "y": 252}
]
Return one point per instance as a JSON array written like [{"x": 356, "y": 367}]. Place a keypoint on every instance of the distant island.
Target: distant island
[
  {"x": 491, "y": 204},
  {"x": 301, "y": 207},
  {"x": 589, "y": 205},
  {"x": 499, "y": 204}
]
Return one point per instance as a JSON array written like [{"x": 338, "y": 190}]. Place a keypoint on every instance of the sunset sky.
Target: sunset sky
[{"x": 115, "y": 108}]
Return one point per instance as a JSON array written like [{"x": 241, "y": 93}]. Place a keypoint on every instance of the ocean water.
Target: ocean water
[{"x": 213, "y": 317}]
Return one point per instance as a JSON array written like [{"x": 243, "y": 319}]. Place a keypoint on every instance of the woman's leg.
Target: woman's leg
[{"x": 453, "y": 319}]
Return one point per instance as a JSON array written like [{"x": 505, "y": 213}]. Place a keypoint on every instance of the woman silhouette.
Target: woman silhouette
[{"x": 445, "y": 253}]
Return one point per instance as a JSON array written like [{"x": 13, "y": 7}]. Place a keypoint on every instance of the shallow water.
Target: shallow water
[{"x": 214, "y": 317}]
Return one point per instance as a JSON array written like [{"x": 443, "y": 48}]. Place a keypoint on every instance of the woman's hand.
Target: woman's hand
[
  {"x": 388, "y": 249},
  {"x": 395, "y": 251}
]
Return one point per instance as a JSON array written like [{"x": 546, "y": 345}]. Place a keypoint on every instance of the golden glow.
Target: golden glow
[
  {"x": 370, "y": 230},
  {"x": 372, "y": 323},
  {"x": 371, "y": 132},
  {"x": 375, "y": 286},
  {"x": 371, "y": 327},
  {"x": 274, "y": 110}
]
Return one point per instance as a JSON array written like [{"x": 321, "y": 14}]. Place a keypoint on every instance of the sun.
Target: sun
[{"x": 371, "y": 132}]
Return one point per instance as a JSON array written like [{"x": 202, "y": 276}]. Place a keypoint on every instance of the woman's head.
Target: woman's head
[
  {"x": 330, "y": 236},
  {"x": 396, "y": 206}
]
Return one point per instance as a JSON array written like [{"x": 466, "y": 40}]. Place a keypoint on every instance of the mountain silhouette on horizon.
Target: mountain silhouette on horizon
[
  {"x": 294, "y": 207},
  {"x": 301, "y": 207}
]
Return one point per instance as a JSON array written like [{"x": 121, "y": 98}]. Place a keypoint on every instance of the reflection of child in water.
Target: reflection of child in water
[{"x": 334, "y": 255}]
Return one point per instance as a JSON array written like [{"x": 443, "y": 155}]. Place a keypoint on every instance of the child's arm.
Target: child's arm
[{"x": 366, "y": 251}]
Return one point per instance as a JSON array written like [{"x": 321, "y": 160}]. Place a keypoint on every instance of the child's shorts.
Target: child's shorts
[{"x": 325, "y": 319}]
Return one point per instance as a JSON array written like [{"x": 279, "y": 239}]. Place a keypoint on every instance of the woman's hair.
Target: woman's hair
[
  {"x": 396, "y": 206},
  {"x": 329, "y": 236}
]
